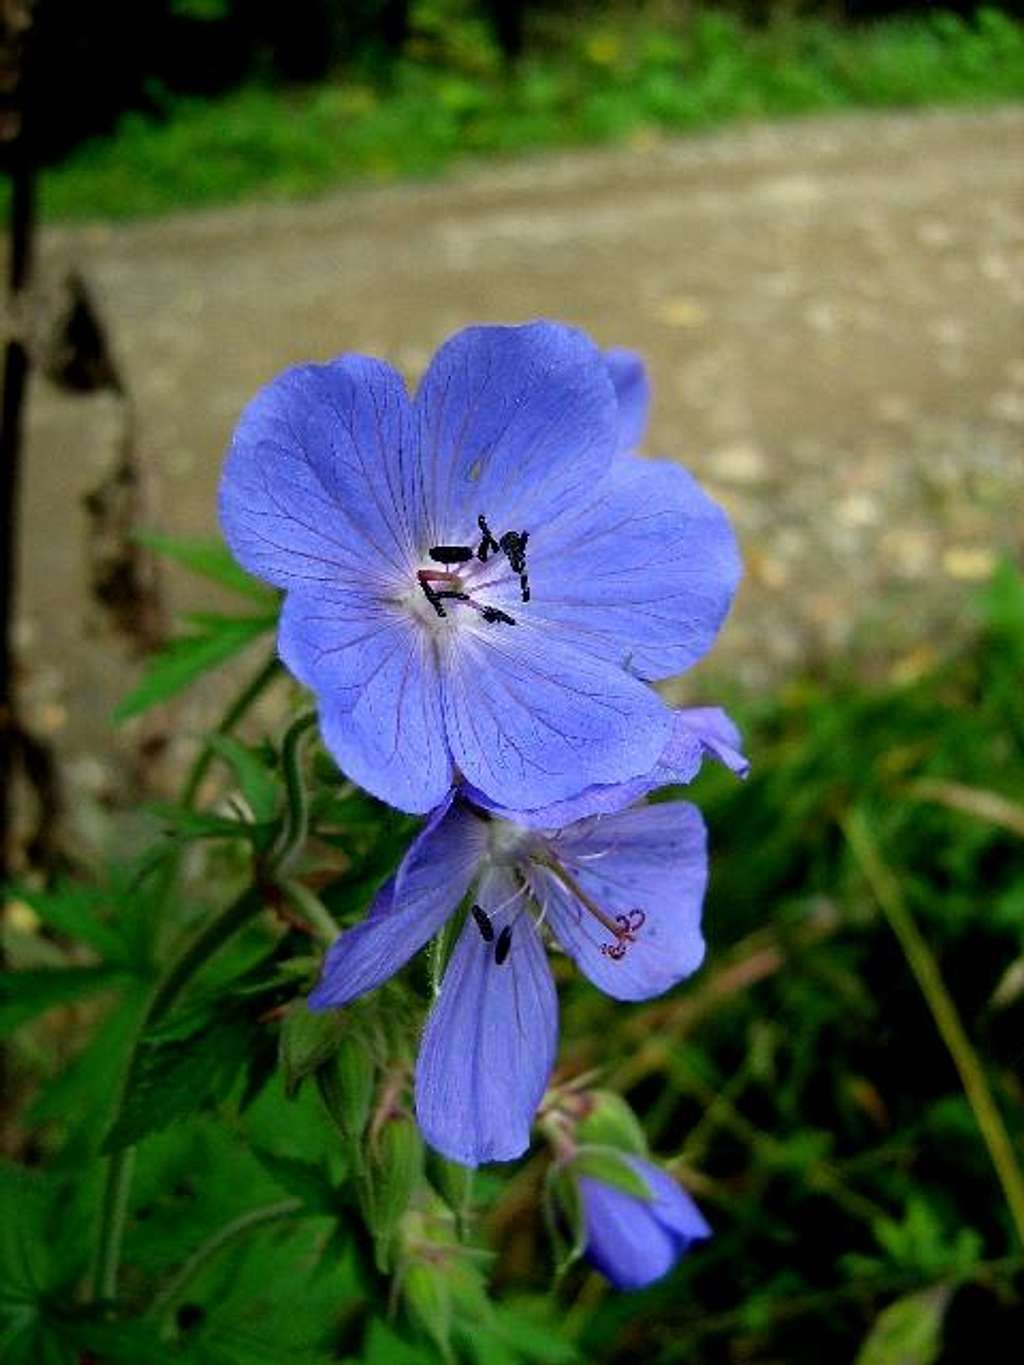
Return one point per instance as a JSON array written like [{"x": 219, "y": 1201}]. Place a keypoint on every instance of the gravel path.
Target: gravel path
[{"x": 832, "y": 312}]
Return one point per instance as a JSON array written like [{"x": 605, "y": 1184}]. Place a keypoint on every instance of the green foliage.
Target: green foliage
[
  {"x": 908, "y": 1332},
  {"x": 210, "y": 559},
  {"x": 212, "y": 641},
  {"x": 798, "y": 1085},
  {"x": 581, "y": 82}
]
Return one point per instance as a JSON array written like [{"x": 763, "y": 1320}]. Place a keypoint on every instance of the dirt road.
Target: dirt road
[{"x": 833, "y": 317}]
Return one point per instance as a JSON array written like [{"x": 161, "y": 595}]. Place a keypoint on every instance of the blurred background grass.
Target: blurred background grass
[{"x": 443, "y": 89}]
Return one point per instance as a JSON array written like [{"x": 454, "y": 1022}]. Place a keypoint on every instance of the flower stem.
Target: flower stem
[
  {"x": 122, "y": 1162},
  {"x": 245, "y": 1222},
  {"x": 293, "y": 836},
  {"x": 253, "y": 689},
  {"x": 922, "y": 963}
]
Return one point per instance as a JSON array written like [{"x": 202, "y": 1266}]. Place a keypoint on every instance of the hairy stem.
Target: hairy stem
[
  {"x": 121, "y": 1165},
  {"x": 245, "y": 1222},
  {"x": 922, "y": 963},
  {"x": 293, "y": 836}
]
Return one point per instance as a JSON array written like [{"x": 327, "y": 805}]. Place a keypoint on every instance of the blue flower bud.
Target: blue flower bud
[{"x": 634, "y": 1241}]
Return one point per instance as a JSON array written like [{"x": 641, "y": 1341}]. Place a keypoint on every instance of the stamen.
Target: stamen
[
  {"x": 488, "y": 545},
  {"x": 514, "y": 545},
  {"x": 504, "y": 943},
  {"x": 494, "y": 614},
  {"x": 483, "y": 923},
  {"x": 450, "y": 554}
]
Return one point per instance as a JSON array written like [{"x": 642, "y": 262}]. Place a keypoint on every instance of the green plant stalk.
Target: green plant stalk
[
  {"x": 922, "y": 963},
  {"x": 114, "y": 1208},
  {"x": 234, "y": 713},
  {"x": 312, "y": 908},
  {"x": 293, "y": 836},
  {"x": 245, "y": 1222}
]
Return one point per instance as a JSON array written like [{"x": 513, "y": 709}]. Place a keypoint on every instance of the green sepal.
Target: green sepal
[
  {"x": 454, "y": 1183},
  {"x": 612, "y": 1123},
  {"x": 346, "y": 1084},
  {"x": 563, "y": 1215},
  {"x": 426, "y": 1293},
  {"x": 308, "y": 1040},
  {"x": 610, "y": 1166},
  {"x": 394, "y": 1171}
]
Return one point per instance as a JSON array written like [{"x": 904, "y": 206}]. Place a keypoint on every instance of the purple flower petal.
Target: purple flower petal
[
  {"x": 623, "y": 1241},
  {"x": 321, "y": 482},
  {"x": 490, "y": 1041},
  {"x": 697, "y": 732},
  {"x": 644, "y": 869},
  {"x": 634, "y": 1242},
  {"x": 375, "y": 673},
  {"x": 431, "y": 881},
  {"x": 641, "y": 572},
  {"x": 715, "y": 732},
  {"x": 515, "y": 423},
  {"x": 672, "y": 1206},
  {"x": 530, "y": 720},
  {"x": 633, "y": 390}
]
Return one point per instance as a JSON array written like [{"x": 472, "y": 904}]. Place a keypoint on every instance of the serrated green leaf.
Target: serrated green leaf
[
  {"x": 210, "y": 559},
  {"x": 307, "y": 1180},
  {"x": 75, "y": 911},
  {"x": 25, "y": 994},
  {"x": 176, "y": 1076},
  {"x": 188, "y": 657},
  {"x": 908, "y": 1331}
]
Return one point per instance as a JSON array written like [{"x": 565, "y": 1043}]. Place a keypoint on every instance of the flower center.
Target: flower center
[{"x": 453, "y": 581}]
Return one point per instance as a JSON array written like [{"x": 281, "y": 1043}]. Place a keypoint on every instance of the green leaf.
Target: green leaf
[
  {"x": 257, "y": 783},
  {"x": 25, "y": 1261},
  {"x": 307, "y": 1180},
  {"x": 180, "y": 1072},
  {"x": 187, "y": 823},
  {"x": 210, "y": 559},
  {"x": 908, "y": 1331},
  {"x": 74, "y": 911},
  {"x": 187, "y": 658},
  {"x": 385, "y": 1347},
  {"x": 25, "y": 994}
]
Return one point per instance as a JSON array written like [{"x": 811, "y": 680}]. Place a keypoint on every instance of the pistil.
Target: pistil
[{"x": 623, "y": 928}]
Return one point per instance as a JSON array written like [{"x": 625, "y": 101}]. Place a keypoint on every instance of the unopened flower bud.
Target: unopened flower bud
[
  {"x": 634, "y": 1221},
  {"x": 394, "y": 1171},
  {"x": 307, "y": 1041},
  {"x": 346, "y": 1085}
]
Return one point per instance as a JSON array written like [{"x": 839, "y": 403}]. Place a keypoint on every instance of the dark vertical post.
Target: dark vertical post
[{"x": 16, "y": 16}]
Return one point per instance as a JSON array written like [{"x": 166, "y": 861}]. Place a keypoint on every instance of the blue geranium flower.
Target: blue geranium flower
[
  {"x": 621, "y": 891},
  {"x": 479, "y": 582},
  {"x": 634, "y": 1241}
]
